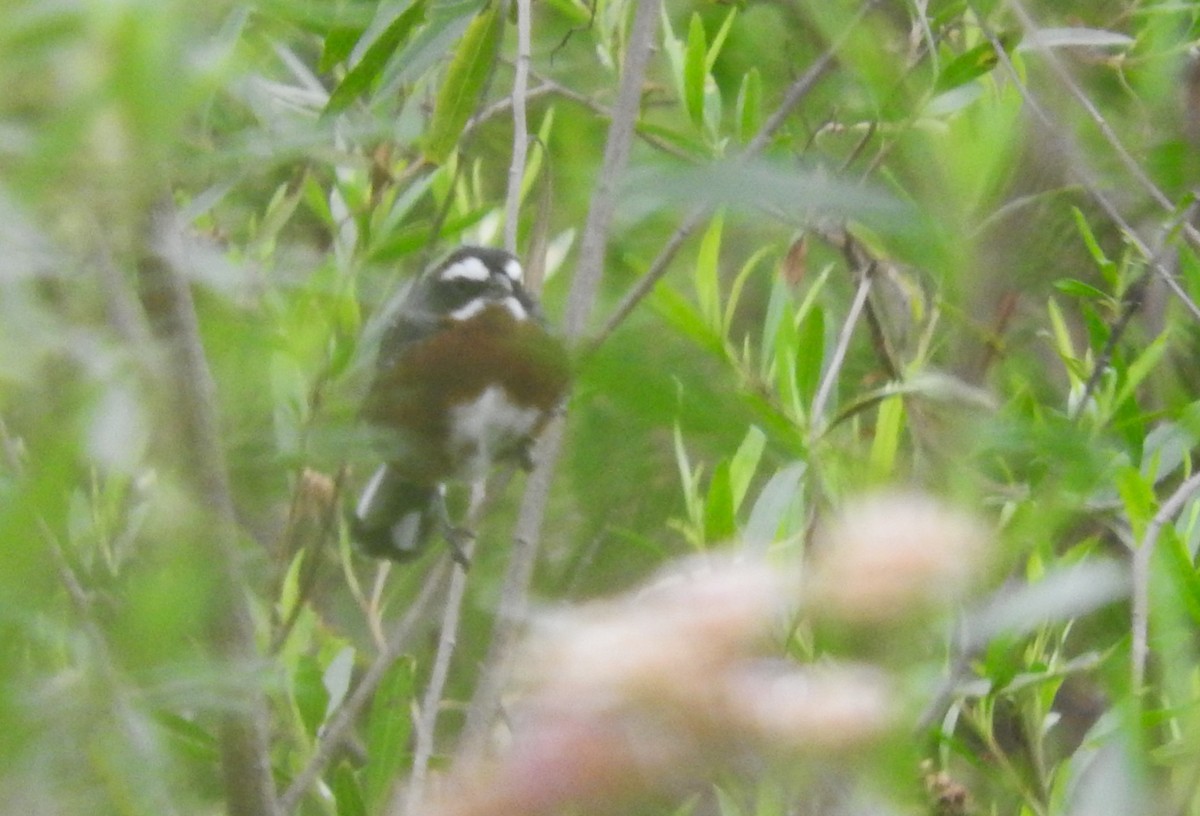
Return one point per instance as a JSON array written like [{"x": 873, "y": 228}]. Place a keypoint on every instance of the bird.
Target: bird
[{"x": 467, "y": 375}]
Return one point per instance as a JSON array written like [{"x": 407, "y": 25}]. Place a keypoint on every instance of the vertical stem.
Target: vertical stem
[
  {"x": 243, "y": 745},
  {"x": 520, "y": 141},
  {"x": 588, "y": 272}
]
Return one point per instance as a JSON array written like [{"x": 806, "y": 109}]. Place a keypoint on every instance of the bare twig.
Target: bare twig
[
  {"x": 341, "y": 722},
  {"x": 580, "y": 301},
  {"x": 1140, "y": 649},
  {"x": 794, "y": 96},
  {"x": 426, "y": 728},
  {"x": 594, "y": 242},
  {"x": 245, "y": 761},
  {"x": 839, "y": 351},
  {"x": 514, "y": 601},
  {"x": 520, "y": 139},
  {"x": 1087, "y": 178}
]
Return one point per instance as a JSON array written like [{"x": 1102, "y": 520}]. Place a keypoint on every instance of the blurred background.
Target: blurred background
[{"x": 941, "y": 246}]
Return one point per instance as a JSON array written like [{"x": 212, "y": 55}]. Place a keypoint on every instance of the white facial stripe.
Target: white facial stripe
[
  {"x": 477, "y": 305},
  {"x": 468, "y": 311},
  {"x": 513, "y": 269},
  {"x": 514, "y": 306},
  {"x": 466, "y": 269}
]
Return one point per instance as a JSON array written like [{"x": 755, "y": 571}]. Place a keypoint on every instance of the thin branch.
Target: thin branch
[
  {"x": 1140, "y": 648},
  {"x": 580, "y": 302},
  {"x": 794, "y": 96},
  {"x": 839, "y": 352},
  {"x": 1068, "y": 81},
  {"x": 245, "y": 758},
  {"x": 431, "y": 704},
  {"x": 520, "y": 139},
  {"x": 343, "y": 720},
  {"x": 1087, "y": 179},
  {"x": 514, "y": 601},
  {"x": 594, "y": 242}
]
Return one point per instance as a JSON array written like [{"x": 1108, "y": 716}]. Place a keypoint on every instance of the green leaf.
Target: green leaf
[
  {"x": 309, "y": 694},
  {"x": 339, "y": 42},
  {"x": 1141, "y": 367},
  {"x": 744, "y": 463},
  {"x": 688, "y": 479},
  {"x": 346, "y": 793},
  {"x": 973, "y": 63},
  {"x": 695, "y": 73},
  {"x": 388, "y": 731},
  {"x": 780, "y": 500},
  {"x": 719, "y": 522},
  {"x": 364, "y": 74},
  {"x": 1106, "y": 266},
  {"x": 810, "y": 353},
  {"x": 464, "y": 82},
  {"x": 707, "y": 276},
  {"x": 714, "y": 50},
  {"x": 739, "y": 282},
  {"x": 1079, "y": 289},
  {"x": 748, "y": 111},
  {"x": 1062, "y": 335},
  {"x": 886, "y": 441},
  {"x": 1137, "y": 495}
]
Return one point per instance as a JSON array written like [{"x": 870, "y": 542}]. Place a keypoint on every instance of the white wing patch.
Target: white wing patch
[
  {"x": 482, "y": 430},
  {"x": 512, "y": 268},
  {"x": 466, "y": 269},
  {"x": 368, "y": 495}
]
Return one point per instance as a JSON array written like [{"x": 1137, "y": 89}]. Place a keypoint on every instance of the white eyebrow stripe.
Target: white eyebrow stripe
[
  {"x": 466, "y": 269},
  {"x": 512, "y": 268}
]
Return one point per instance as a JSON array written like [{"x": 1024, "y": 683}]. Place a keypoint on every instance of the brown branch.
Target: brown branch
[
  {"x": 794, "y": 96},
  {"x": 245, "y": 760},
  {"x": 343, "y": 720},
  {"x": 580, "y": 302}
]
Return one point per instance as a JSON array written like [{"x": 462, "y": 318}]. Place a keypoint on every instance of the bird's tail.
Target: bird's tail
[{"x": 394, "y": 518}]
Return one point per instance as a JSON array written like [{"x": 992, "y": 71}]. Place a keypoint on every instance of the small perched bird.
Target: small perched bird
[{"x": 467, "y": 375}]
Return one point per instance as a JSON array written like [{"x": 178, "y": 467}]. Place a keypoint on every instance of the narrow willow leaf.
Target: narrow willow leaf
[
  {"x": 744, "y": 464},
  {"x": 695, "y": 73},
  {"x": 339, "y": 42},
  {"x": 749, "y": 106},
  {"x": 973, "y": 63},
  {"x": 1106, "y": 266},
  {"x": 886, "y": 443},
  {"x": 346, "y": 793},
  {"x": 464, "y": 83},
  {"x": 1141, "y": 367},
  {"x": 707, "y": 277},
  {"x": 364, "y": 74},
  {"x": 714, "y": 50},
  {"x": 718, "y": 507},
  {"x": 774, "y": 505},
  {"x": 739, "y": 282},
  {"x": 309, "y": 694},
  {"x": 388, "y": 731},
  {"x": 810, "y": 353}
]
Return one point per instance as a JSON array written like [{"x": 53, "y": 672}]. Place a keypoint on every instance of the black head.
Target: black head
[{"x": 472, "y": 278}]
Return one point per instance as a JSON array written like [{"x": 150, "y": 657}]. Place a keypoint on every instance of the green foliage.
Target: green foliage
[{"x": 1020, "y": 351}]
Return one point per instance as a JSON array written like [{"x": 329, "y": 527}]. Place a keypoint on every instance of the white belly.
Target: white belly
[{"x": 490, "y": 427}]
